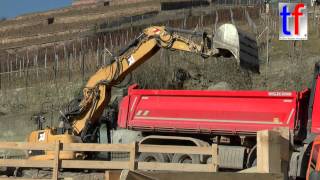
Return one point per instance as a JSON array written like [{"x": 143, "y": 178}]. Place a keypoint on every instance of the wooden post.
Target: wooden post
[
  {"x": 112, "y": 175},
  {"x": 133, "y": 153},
  {"x": 231, "y": 16},
  {"x": 80, "y": 49},
  {"x": 75, "y": 53},
  {"x": 80, "y": 60},
  {"x": 107, "y": 175},
  {"x": 87, "y": 45},
  {"x": 214, "y": 166},
  {"x": 104, "y": 49},
  {"x": 267, "y": 40},
  {"x": 8, "y": 71},
  {"x": 65, "y": 60},
  {"x": 284, "y": 133},
  {"x": 37, "y": 67},
  {"x": 216, "y": 21},
  {"x": 98, "y": 59},
  {"x": 11, "y": 70},
  {"x": 314, "y": 15},
  {"x": 16, "y": 66},
  {"x": 110, "y": 42},
  {"x": 267, "y": 26},
  {"x": 317, "y": 27},
  {"x": 23, "y": 63},
  {"x": 91, "y": 55},
  {"x": 45, "y": 60},
  {"x": 82, "y": 67},
  {"x": 55, "y": 70},
  {"x": 268, "y": 152},
  {"x": 27, "y": 77},
  {"x": 57, "y": 60},
  {"x": 20, "y": 68},
  {"x": 69, "y": 67},
  {"x": 201, "y": 20},
  {"x": 55, "y": 171},
  {"x": 127, "y": 38},
  {"x": 0, "y": 76}
]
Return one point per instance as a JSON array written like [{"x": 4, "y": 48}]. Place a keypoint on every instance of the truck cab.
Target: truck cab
[{"x": 313, "y": 172}]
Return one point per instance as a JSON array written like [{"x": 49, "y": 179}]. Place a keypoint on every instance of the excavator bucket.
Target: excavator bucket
[{"x": 243, "y": 47}]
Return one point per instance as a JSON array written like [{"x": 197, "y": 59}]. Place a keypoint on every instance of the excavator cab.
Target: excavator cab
[
  {"x": 49, "y": 135},
  {"x": 313, "y": 172}
]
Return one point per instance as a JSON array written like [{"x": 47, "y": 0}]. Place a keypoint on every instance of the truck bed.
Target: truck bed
[{"x": 206, "y": 111}]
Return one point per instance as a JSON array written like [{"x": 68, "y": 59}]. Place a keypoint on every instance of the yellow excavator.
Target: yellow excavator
[{"x": 78, "y": 124}]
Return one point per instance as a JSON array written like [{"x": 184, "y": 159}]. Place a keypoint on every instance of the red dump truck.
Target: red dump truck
[{"x": 229, "y": 118}]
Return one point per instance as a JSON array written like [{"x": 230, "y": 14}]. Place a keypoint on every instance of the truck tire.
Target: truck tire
[
  {"x": 153, "y": 157},
  {"x": 186, "y": 158}
]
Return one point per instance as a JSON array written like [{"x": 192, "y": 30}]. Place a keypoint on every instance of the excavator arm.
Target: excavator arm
[{"x": 96, "y": 93}]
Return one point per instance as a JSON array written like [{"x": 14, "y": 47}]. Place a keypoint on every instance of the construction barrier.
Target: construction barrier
[
  {"x": 132, "y": 165},
  {"x": 161, "y": 175}
]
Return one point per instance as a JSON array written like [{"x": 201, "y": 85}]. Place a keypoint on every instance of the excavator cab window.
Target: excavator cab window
[{"x": 314, "y": 162}]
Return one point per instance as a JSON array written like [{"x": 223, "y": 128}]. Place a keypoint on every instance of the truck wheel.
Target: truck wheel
[
  {"x": 153, "y": 157},
  {"x": 186, "y": 158}
]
